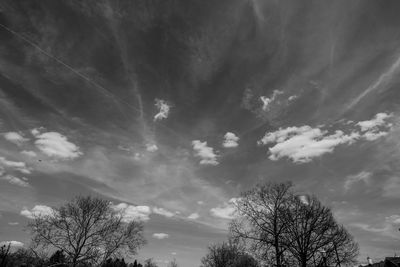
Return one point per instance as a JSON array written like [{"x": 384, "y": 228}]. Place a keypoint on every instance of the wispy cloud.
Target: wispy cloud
[
  {"x": 266, "y": 101},
  {"x": 163, "y": 110},
  {"x": 359, "y": 177},
  {"x": 387, "y": 227},
  {"x": 29, "y": 153},
  {"x": 15, "y": 138},
  {"x": 14, "y": 165},
  {"x": 163, "y": 212},
  {"x": 205, "y": 153},
  {"x": 160, "y": 235},
  {"x": 230, "y": 140},
  {"x": 15, "y": 180},
  {"x": 382, "y": 80}
]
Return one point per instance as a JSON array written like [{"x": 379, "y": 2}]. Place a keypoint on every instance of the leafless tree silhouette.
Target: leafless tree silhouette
[{"x": 88, "y": 230}]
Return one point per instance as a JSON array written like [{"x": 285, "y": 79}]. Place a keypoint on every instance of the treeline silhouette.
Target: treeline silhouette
[
  {"x": 273, "y": 225},
  {"x": 28, "y": 258}
]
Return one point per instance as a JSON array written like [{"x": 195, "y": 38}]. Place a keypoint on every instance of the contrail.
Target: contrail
[
  {"x": 384, "y": 78},
  {"x": 98, "y": 86}
]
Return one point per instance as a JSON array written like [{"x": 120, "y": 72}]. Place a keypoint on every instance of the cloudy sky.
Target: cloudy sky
[{"x": 171, "y": 108}]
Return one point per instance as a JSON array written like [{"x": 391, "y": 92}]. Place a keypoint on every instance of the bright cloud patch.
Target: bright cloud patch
[
  {"x": 378, "y": 120},
  {"x": 267, "y": 100},
  {"x": 302, "y": 144},
  {"x": 360, "y": 177},
  {"x": 160, "y": 235},
  {"x": 56, "y": 145},
  {"x": 163, "y": 212},
  {"x": 151, "y": 147},
  {"x": 15, "y": 180},
  {"x": 375, "y": 128},
  {"x": 205, "y": 153},
  {"x": 225, "y": 211},
  {"x": 12, "y": 243},
  {"x": 163, "y": 110},
  {"x": 304, "y": 199},
  {"x": 231, "y": 140},
  {"x": 37, "y": 211},
  {"x": 15, "y": 138},
  {"x": 29, "y": 153},
  {"x": 14, "y": 165},
  {"x": 193, "y": 216},
  {"x": 131, "y": 213}
]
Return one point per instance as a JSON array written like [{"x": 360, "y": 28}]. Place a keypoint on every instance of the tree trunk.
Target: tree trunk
[
  {"x": 303, "y": 261},
  {"x": 278, "y": 256}
]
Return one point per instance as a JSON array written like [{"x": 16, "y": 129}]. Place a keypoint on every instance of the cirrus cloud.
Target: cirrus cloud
[
  {"x": 15, "y": 180},
  {"x": 29, "y": 153},
  {"x": 160, "y": 235},
  {"x": 15, "y": 138},
  {"x": 14, "y": 165},
  {"x": 163, "y": 212},
  {"x": 363, "y": 176}
]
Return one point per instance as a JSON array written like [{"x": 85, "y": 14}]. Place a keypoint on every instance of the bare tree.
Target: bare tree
[
  {"x": 150, "y": 263},
  {"x": 342, "y": 250},
  {"x": 227, "y": 254},
  {"x": 260, "y": 222},
  {"x": 173, "y": 263},
  {"x": 88, "y": 230},
  {"x": 285, "y": 229},
  {"x": 313, "y": 237},
  {"x": 4, "y": 254}
]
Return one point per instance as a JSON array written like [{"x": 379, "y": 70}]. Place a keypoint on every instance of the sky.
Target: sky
[{"x": 171, "y": 108}]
